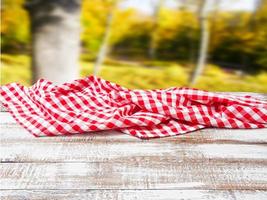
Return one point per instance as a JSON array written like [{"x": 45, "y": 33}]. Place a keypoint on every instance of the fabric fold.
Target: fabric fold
[{"x": 93, "y": 104}]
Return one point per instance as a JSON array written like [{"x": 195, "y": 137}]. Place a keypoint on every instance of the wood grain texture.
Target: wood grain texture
[
  {"x": 74, "y": 150},
  {"x": 10, "y": 130},
  {"x": 132, "y": 194},
  {"x": 205, "y": 164},
  {"x": 147, "y": 174},
  {"x": 18, "y": 146}
]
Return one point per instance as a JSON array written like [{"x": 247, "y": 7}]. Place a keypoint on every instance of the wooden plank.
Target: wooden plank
[
  {"x": 10, "y": 130},
  {"x": 147, "y": 174},
  {"x": 210, "y": 159},
  {"x": 72, "y": 151},
  {"x": 17, "y": 146},
  {"x": 132, "y": 194}
]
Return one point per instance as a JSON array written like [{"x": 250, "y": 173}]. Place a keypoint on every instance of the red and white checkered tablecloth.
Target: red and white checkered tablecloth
[{"x": 93, "y": 104}]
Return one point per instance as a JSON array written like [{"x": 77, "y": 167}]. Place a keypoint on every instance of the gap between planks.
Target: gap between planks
[
  {"x": 222, "y": 144},
  {"x": 221, "y": 173}
]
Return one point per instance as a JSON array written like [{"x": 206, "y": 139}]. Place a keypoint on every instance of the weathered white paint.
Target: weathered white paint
[
  {"x": 150, "y": 174},
  {"x": 231, "y": 151},
  {"x": 206, "y": 164},
  {"x": 98, "y": 151},
  {"x": 7, "y": 119},
  {"x": 20, "y": 146},
  {"x": 10, "y": 130},
  {"x": 133, "y": 194}
]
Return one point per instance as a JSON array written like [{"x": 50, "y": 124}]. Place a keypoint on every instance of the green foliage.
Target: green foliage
[
  {"x": 216, "y": 79},
  {"x": 93, "y": 21},
  {"x": 14, "y": 26},
  {"x": 167, "y": 74},
  {"x": 242, "y": 41},
  {"x": 15, "y": 68},
  {"x": 237, "y": 38}
]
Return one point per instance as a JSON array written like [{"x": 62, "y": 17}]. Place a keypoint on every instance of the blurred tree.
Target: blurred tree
[
  {"x": 183, "y": 4},
  {"x": 261, "y": 30},
  {"x": 238, "y": 39},
  {"x": 55, "y": 28},
  {"x": 214, "y": 21},
  {"x": 177, "y": 39},
  {"x": 93, "y": 26},
  {"x": 257, "y": 6},
  {"x": 183, "y": 8},
  {"x": 133, "y": 44},
  {"x": 14, "y": 26},
  {"x": 203, "y": 50},
  {"x": 155, "y": 21},
  {"x": 105, "y": 41},
  {"x": 94, "y": 23}
]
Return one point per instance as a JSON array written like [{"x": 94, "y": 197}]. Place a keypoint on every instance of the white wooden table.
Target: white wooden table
[{"x": 206, "y": 164}]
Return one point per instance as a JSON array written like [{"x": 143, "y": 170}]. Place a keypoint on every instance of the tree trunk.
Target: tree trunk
[
  {"x": 213, "y": 25},
  {"x": 105, "y": 44},
  {"x": 203, "y": 50},
  {"x": 55, "y": 26},
  {"x": 257, "y": 6},
  {"x": 153, "y": 42},
  {"x": 182, "y": 5}
]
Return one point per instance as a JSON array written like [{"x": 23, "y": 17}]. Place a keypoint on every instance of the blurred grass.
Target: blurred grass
[{"x": 16, "y": 68}]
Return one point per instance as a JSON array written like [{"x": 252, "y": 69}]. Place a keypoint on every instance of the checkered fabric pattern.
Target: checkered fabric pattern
[{"x": 93, "y": 104}]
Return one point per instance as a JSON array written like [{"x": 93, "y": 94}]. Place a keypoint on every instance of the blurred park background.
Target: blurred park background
[{"x": 217, "y": 45}]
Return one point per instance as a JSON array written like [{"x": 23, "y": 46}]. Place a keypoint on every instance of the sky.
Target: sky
[{"x": 146, "y": 5}]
